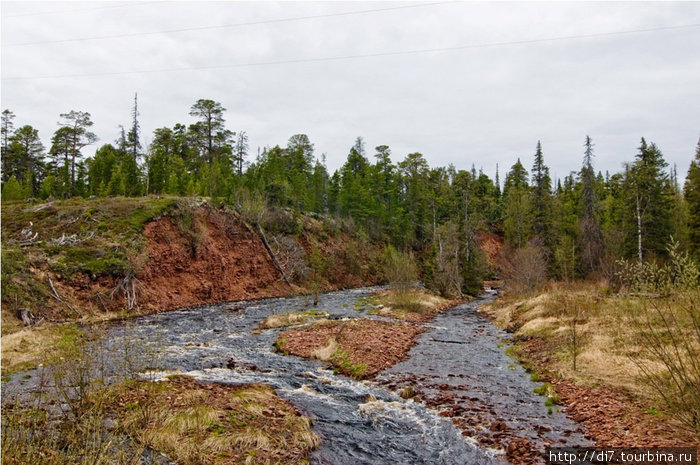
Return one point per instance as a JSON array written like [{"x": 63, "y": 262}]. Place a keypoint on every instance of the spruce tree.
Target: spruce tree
[
  {"x": 6, "y": 129},
  {"x": 591, "y": 243},
  {"x": 692, "y": 197},
  {"x": 24, "y": 158},
  {"x": 648, "y": 197},
  {"x": 542, "y": 200},
  {"x": 132, "y": 138},
  {"x": 517, "y": 223}
]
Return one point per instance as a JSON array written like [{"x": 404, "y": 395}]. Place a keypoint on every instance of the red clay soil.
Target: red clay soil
[
  {"x": 611, "y": 417},
  {"x": 224, "y": 262},
  {"x": 375, "y": 344},
  {"x": 491, "y": 244}
]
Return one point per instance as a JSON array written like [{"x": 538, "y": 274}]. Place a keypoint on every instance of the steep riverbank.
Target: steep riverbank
[{"x": 89, "y": 260}]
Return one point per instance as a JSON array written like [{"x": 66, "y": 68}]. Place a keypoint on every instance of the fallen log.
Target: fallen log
[{"x": 272, "y": 255}]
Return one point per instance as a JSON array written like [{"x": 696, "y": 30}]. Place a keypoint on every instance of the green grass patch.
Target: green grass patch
[{"x": 341, "y": 360}]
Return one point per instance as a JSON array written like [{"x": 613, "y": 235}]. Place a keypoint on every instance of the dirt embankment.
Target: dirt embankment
[{"x": 218, "y": 260}]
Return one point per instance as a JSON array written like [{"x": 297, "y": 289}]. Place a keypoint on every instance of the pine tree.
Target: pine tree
[
  {"x": 692, "y": 197},
  {"x": 70, "y": 139},
  {"x": 209, "y": 133}
]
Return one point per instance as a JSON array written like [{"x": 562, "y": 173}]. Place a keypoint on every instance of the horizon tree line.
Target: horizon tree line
[{"x": 579, "y": 225}]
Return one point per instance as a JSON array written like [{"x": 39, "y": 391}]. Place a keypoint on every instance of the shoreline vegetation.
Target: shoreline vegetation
[{"x": 621, "y": 363}]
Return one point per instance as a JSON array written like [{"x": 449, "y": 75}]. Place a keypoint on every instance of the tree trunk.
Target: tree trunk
[{"x": 639, "y": 230}]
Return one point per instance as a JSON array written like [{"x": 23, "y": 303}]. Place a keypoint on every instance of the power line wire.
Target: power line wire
[
  {"x": 350, "y": 57},
  {"x": 227, "y": 26},
  {"x": 58, "y": 12}
]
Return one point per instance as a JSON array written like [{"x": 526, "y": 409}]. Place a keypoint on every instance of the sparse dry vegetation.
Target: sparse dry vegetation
[
  {"x": 411, "y": 304},
  {"x": 291, "y": 319},
  {"x": 189, "y": 421},
  {"x": 76, "y": 419},
  {"x": 645, "y": 339},
  {"x": 194, "y": 422}
]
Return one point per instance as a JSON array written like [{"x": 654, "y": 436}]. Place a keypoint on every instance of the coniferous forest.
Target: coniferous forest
[{"x": 574, "y": 227}]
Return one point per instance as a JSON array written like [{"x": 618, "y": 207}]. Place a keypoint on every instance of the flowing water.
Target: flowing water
[{"x": 460, "y": 356}]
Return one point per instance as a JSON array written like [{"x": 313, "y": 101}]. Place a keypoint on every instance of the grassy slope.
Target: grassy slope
[{"x": 607, "y": 341}]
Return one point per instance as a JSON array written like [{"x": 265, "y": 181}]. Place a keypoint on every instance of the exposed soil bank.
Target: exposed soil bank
[
  {"x": 221, "y": 261},
  {"x": 92, "y": 260}
]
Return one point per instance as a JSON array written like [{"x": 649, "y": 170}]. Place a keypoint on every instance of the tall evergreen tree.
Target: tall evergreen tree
[
  {"x": 210, "y": 133},
  {"x": 241, "y": 151},
  {"x": 591, "y": 242},
  {"x": 542, "y": 201},
  {"x": 648, "y": 197},
  {"x": 414, "y": 172},
  {"x": 71, "y": 137},
  {"x": 692, "y": 197},
  {"x": 132, "y": 138},
  {"x": 517, "y": 223},
  {"x": 6, "y": 129},
  {"x": 25, "y": 158}
]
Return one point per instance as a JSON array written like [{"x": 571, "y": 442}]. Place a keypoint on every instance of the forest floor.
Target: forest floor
[{"x": 585, "y": 342}]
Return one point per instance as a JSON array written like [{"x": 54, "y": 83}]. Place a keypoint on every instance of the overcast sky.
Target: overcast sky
[{"x": 489, "y": 93}]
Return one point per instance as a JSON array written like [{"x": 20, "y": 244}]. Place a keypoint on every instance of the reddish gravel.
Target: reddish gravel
[{"x": 375, "y": 344}]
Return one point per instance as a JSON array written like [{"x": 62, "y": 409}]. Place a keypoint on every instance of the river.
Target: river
[{"x": 458, "y": 367}]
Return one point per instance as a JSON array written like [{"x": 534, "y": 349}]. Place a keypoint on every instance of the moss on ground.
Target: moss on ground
[{"x": 72, "y": 240}]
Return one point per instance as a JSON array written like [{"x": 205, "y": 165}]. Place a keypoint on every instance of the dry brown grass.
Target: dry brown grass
[
  {"x": 189, "y": 421},
  {"x": 604, "y": 329},
  {"x": 195, "y": 422},
  {"x": 410, "y": 304},
  {"x": 26, "y": 348},
  {"x": 291, "y": 319},
  {"x": 326, "y": 352}
]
